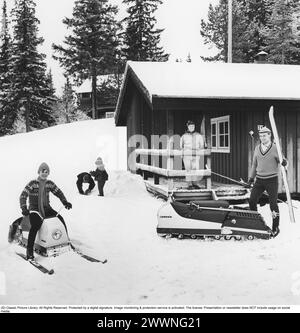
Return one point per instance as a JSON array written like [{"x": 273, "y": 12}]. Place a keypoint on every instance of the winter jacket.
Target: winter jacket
[
  {"x": 80, "y": 180},
  {"x": 31, "y": 191},
  {"x": 191, "y": 142},
  {"x": 99, "y": 175}
]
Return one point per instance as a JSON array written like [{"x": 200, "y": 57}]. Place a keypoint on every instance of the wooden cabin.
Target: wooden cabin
[
  {"x": 105, "y": 109},
  {"x": 226, "y": 101}
]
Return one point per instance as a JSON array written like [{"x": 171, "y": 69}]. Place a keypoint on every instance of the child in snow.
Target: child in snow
[
  {"x": 100, "y": 175},
  {"x": 265, "y": 169},
  {"x": 85, "y": 177},
  {"x": 39, "y": 208}
]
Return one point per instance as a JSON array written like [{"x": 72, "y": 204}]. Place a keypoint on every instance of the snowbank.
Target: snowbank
[{"x": 142, "y": 268}]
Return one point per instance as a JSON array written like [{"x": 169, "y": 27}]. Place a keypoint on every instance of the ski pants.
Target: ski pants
[
  {"x": 191, "y": 163},
  {"x": 271, "y": 187},
  {"x": 36, "y": 222},
  {"x": 101, "y": 184}
]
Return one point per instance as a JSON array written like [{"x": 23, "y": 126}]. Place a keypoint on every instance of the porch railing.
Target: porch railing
[{"x": 150, "y": 161}]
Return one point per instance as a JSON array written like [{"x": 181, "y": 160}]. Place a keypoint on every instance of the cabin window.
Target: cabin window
[
  {"x": 220, "y": 134},
  {"x": 86, "y": 95}
]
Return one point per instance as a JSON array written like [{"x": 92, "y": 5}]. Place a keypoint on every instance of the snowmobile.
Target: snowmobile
[
  {"x": 210, "y": 219},
  {"x": 51, "y": 240}
]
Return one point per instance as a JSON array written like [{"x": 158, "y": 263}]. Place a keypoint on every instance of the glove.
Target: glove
[
  {"x": 25, "y": 212},
  {"x": 250, "y": 182},
  {"x": 284, "y": 162},
  {"x": 68, "y": 205}
]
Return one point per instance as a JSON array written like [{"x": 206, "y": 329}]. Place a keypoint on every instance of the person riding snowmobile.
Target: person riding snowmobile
[
  {"x": 265, "y": 169},
  {"x": 37, "y": 191}
]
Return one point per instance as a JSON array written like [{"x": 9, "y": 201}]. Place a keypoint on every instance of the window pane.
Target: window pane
[
  {"x": 226, "y": 127},
  {"x": 221, "y": 128},
  {"x": 227, "y": 141},
  {"x": 214, "y": 129},
  {"x": 222, "y": 140},
  {"x": 214, "y": 141}
]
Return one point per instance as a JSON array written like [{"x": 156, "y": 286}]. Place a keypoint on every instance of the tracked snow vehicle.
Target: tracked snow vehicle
[
  {"x": 210, "y": 219},
  {"x": 51, "y": 240}
]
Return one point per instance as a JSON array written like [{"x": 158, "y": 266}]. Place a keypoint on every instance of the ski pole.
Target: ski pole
[{"x": 225, "y": 177}]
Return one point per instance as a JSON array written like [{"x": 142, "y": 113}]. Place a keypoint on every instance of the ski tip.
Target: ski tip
[
  {"x": 104, "y": 261},
  {"x": 51, "y": 271},
  {"x": 271, "y": 110}
]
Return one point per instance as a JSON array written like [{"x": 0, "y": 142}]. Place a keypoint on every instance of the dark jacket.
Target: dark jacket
[
  {"x": 100, "y": 175},
  {"x": 31, "y": 191},
  {"x": 80, "y": 181}
]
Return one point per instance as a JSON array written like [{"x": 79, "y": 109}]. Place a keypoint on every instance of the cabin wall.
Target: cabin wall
[
  {"x": 169, "y": 117},
  {"x": 235, "y": 163}
]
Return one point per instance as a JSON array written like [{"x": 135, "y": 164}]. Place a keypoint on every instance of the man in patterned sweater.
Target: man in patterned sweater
[
  {"x": 37, "y": 191},
  {"x": 265, "y": 168}
]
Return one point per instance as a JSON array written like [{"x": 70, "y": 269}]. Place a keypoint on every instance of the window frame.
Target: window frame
[{"x": 217, "y": 121}]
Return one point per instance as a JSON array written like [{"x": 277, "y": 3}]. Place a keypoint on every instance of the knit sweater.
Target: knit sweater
[
  {"x": 265, "y": 164},
  {"x": 31, "y": 191}
]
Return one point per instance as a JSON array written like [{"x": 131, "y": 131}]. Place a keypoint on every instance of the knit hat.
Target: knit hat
[
  {"x": 99, "y": 161},
  {"x": 264, "y": 130},
  {"x": 44, "y": 166}
]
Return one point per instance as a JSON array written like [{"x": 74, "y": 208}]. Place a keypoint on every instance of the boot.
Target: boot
[
  {"x": 275, "y": 225},
  {"x": 29, "y": 254},
  {"x": 275, "y": 232}
]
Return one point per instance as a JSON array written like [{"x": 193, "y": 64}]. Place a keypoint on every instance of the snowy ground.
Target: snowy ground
[{"x": 142, "y": 268}]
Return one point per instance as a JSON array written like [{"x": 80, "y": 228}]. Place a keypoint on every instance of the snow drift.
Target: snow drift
[{"x": 142, "y": 268}]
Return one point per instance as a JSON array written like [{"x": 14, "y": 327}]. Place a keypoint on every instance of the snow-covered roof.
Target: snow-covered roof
[
  {"x": 213, "y": 80},
  {"x": 86, "y": 86}
]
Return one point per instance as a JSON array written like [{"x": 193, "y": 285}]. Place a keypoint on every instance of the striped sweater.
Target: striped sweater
[{"x": 31, "y": 191}]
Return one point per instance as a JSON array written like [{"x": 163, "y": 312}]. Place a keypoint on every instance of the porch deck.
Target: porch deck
[{"x": 180, "y": 192}]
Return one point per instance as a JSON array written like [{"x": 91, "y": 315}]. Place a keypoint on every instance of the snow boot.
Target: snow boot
[
  {"x": 275, "y": 232},
  {"x": 29, "y": 255}
]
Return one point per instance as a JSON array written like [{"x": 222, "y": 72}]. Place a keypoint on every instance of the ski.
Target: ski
[
  {"x": 282, "y": 168},
  {"x": 36, "y": 264},
  {"x": 87, "y": 257}
]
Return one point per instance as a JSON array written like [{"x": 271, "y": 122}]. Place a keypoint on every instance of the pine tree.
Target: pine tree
[
  {"x": 5, "y": 44},
  {"x": 28, "y": 96},
  {"x": 249, "y": 17},
  {"x": 141, "y": 39},
  {"x": 282, "y": 33},
  {"x": 91, "y": 47}
]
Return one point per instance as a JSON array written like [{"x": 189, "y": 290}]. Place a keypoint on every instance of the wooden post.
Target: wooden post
[
  {"x": 156, "y": 179},
  {"x": 229, "y": 60},
  {"x": 170, "y": 161},
  {"x": 208, "y": 179}
]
